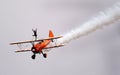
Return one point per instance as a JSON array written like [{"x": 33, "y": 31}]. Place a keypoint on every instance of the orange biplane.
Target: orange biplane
[{"x": 39, "y": 45}]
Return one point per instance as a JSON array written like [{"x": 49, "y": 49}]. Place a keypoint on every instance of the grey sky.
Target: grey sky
[{"x": 95, "y": 54}]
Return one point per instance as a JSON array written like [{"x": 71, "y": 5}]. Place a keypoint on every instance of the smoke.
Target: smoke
[{"x": 105, "y": 18}]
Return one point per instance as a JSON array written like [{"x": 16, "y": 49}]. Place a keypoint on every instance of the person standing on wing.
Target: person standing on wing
[{"x": 35, "y": 33}]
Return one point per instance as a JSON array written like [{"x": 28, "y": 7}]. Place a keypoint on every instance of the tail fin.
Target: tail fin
[{"x": 51, "y": 33}]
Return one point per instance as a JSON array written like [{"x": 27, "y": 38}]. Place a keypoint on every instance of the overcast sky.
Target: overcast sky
[{"x": 95, "y": 54}]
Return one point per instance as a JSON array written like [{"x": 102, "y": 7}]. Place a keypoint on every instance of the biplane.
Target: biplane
[{"x": 40, "y": 46}]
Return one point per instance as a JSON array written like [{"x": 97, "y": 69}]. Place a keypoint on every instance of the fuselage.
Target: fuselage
[{"x": 39, "y": 46}]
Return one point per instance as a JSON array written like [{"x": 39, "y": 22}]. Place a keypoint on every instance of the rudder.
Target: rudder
[{"x": 51, "y": 33}]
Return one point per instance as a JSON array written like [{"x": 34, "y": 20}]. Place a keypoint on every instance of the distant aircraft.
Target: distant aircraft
[{"x": 39, "y": 45}]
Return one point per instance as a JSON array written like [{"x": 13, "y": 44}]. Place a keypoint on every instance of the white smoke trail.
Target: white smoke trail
[{"x": 107, "y": 17}]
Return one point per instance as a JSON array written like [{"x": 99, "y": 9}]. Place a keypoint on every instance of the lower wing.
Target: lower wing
[
  {"x": 27, "y": 50},
  {"x": 54, "y": 46}
]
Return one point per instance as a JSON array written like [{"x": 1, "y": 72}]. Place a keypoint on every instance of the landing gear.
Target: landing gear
[
  {"x": 45, "y": 55},
  {"x": 33, "y": 56}
]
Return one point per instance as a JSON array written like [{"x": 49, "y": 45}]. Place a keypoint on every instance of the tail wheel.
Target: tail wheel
[{"x": 45, "y": 55}]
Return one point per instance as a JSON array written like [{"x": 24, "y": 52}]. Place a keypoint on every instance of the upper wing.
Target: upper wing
[{"x": 50, "y": 38}]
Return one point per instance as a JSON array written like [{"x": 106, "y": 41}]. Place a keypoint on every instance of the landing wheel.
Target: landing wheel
[
  {"x": 45, "y": 55},
  {"x": 33, "y": 56}
]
